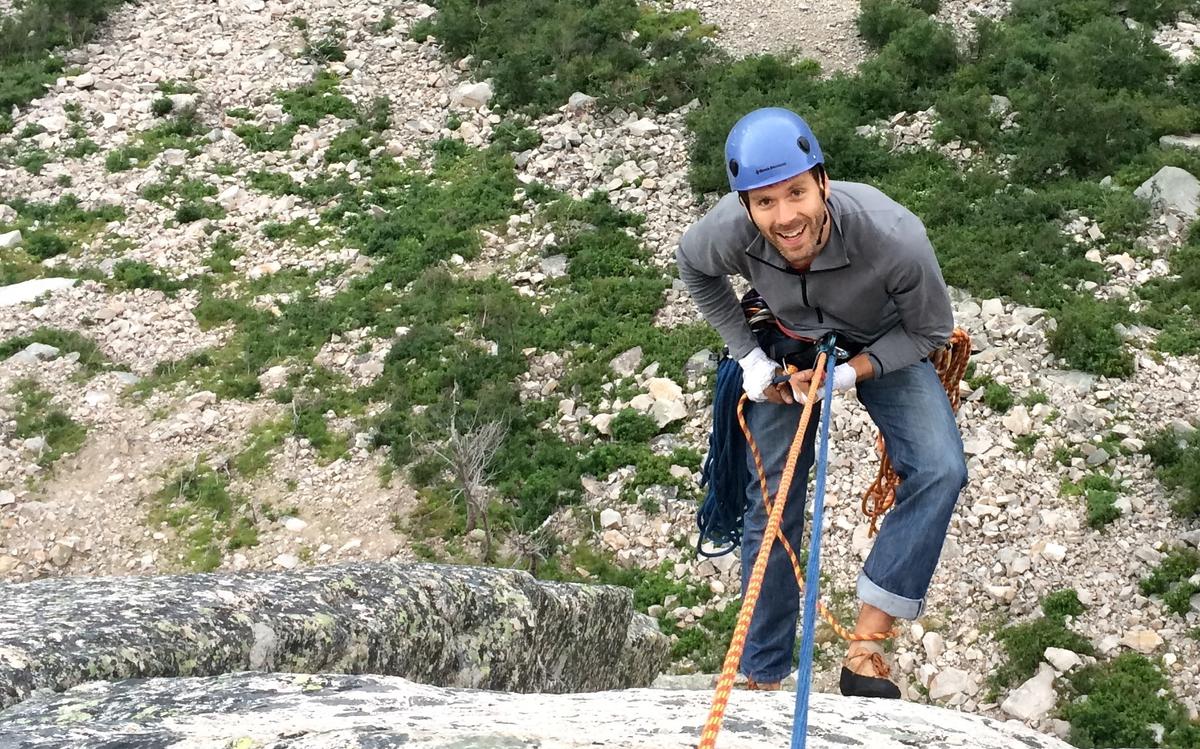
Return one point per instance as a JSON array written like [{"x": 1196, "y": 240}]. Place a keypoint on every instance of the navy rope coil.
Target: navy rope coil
[{"x": 725, "y": 473}]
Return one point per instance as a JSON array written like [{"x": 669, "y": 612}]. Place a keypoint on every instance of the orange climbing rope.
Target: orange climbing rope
[{"x": 951, "y": 363}]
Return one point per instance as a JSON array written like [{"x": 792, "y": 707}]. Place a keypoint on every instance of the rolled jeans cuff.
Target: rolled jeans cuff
[{"x": 889, "y": 603}]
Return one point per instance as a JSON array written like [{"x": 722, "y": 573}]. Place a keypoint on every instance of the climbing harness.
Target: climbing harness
[
  {"x": 724, "y": 473},
  {"x": 950, "y": 363}
]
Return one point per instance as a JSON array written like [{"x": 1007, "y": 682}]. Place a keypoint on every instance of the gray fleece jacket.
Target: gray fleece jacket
[{"x": 876, "y": 281}]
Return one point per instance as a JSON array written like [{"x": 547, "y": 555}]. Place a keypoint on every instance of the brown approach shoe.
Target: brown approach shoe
[
  {"x": 760, "y": 686},
  {"x": 866, "y": 674}
]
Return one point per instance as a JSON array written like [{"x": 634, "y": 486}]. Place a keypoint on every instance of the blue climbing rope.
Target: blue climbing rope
[
  {"x": 812, "y": 575},
  {"x": 725, "y": 473}
]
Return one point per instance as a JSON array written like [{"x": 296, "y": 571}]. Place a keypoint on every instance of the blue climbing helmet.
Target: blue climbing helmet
[{"x": 768, "y": 146}]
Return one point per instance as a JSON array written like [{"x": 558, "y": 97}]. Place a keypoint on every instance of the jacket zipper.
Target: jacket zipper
[{"x": 804, "y": 296}]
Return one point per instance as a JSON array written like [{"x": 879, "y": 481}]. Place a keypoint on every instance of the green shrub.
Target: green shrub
[
  {"x": 29, "y": 36},
  {"x": 136, "y": 274},
  {"x": 33, "y": 161},
  {"x": 996, "y": 396},
  {"x": 259, "y": 139},
  {"x": 1178, "y": 461},
  {"x": 706, "y": 641},
  {"x": 1118, "y": 704},
  {"x": 539, "y": 52},
  {"x": 36, "y": 417},
  {"x": 222, "y": 254},
  {"x": 194, "y": 210},
  {"x": 1170, "y": 579},
  {"x": 329, "y": 48},
  {"x": 91, "y": 359},
  {"x": 307, "y": 104},
  {"x": 1061, "y": 604},
  {"x": 198, "y": 504},
  {"x": 510, "y": 136},
  {"x": 1025, "y": 643},
  {"x": 44, "y": 244},
  {"x": 880, "y": 20},
  {"x": 631, "y": 426},
  {"x": 161, "y": 107},
  {"x": 1174, "y": 301},
  {"x": 1086, "y": 339},
  {"x": 352, "y": 143}
]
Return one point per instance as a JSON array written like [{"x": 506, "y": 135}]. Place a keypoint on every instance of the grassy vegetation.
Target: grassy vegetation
[
  {"x": 1100, "y": 493},
  {"x": 91, "y": 360},
  {"x": 38, "y": 418},
  {"x": 1175, "y": 299},
  {"x": 1025, "y": 643},
  {"x": 182, "y": 131},
  {"x": 996, "y": 396},
  {"x": 539, "y": 52},
  {"x": 210, "y": 520},
  {"x": 1171, "y": 580},
  {"x": 28, "y": 42},
  {"x": 1122, "y": 703},
  {"x": 49, "y": 230},
  {"x": 1178, "y": 460}
]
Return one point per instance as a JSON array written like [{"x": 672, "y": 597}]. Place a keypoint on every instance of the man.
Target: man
[{"x": 843, "y": 257}]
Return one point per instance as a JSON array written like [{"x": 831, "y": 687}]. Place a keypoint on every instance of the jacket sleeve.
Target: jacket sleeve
[
  {"x": 704, "y": 257},
  {"x": 914, "y": 283}
]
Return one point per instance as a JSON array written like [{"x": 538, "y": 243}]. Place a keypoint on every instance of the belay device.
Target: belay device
[{"x": 725, "y": 473}]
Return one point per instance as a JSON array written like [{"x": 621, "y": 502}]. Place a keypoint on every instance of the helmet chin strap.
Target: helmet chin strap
[{"x": 825, "y": 203}]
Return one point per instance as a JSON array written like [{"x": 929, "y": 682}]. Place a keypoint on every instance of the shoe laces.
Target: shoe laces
[
  {"x": 878, "y": 665},
  {"x": 769, "y": 686}
]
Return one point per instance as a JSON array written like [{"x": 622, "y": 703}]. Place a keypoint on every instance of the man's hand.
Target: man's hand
[
  {"x": 844, "y": 378},
  {"x": 757, "y": 372}
]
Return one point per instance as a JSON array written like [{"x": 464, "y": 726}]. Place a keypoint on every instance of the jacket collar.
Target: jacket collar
[{"x": 833, "y": 256}]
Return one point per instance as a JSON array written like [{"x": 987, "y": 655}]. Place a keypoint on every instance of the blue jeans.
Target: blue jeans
[{"x": 911, "y": 410}]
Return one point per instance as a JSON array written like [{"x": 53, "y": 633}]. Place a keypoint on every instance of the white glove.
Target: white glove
[
  {"x": 757, "y": 372},
  {"x": 844, "y": 378}
]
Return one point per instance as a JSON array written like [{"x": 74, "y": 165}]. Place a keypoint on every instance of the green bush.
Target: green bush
[
  {"x": 1061, "y": 604},
  {"x": 1178, "y": 461},
  {"x": 1101, "y": 508},
  {"x": 136, "y": 274},
  {"x": 996, "y": 396},
  {"x": 1025, "y": 643},
  {"x": 259, "y": 139},
  {"x": 1170, "y": 579},
  {"x": 880, "y": 20},
  {"x": 36, "y": 417},
  {"x": 1174, "y": 301},
  {"x": 162, "y": 106},
  {"x": 1100, "y": 496},
  {"x": 29, "y": 36},
  {"x": 1118, "y": 704},
  {"x": 307, "y": 104},
  {"x": 631, "y": 426},
  {"x": 197, "y": 503},
  {"x": 1087, "y": 340},
  {"x": 539, "y": 52},
  {"x": 91, "y": 359},
  {"x": 44, "y": 244},
  {"x": 194, "y": 210}
]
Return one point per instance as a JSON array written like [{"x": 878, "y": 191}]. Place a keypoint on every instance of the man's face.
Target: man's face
[{"x": 789, "y": 214}]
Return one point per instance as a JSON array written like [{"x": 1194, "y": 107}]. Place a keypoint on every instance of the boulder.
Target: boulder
[
  {"x": 1173, "y": 190},
  {"x": 27, "y": 291},
  {"x": 357, "y": 711},
  {"x": 453, "y": 626}
]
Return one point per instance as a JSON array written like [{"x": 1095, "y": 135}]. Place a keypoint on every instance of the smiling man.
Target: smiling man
[{"x": 828, "y": 256}]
